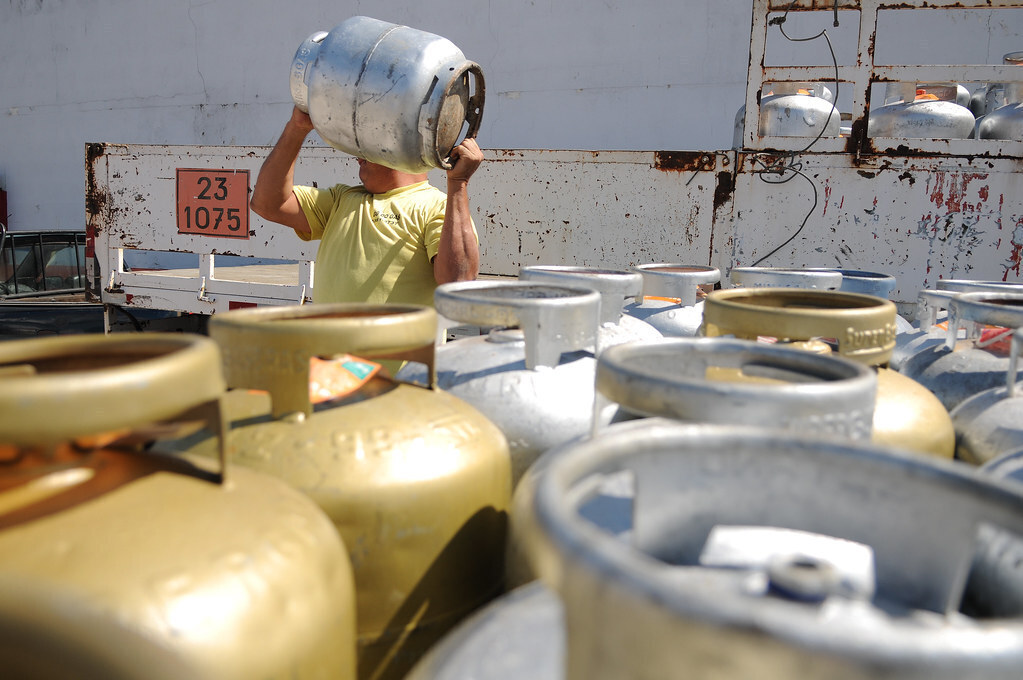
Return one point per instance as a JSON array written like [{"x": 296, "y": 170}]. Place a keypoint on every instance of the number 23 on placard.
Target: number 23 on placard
[{"x": 213, "y": 202}]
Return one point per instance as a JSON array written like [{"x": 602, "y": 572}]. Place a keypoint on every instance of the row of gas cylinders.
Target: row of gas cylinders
[
  {"x": 723, "y": 481},
  {"x": 910, "y": 110}
]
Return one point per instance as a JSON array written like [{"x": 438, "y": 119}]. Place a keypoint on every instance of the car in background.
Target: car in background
[{"x": 42, "y": 291}]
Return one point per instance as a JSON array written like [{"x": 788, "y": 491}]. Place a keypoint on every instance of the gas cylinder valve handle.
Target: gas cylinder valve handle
[
  {"x": 473, "y": 111},
  {"x": 554, "y": 319},
  {"x": 1017, "y": 347},
  {"x": 109, "y": 388},
  {"x": 929, "y": 303},
  {"x": 969, "y": 310},
  {"x": 614, "y": 286},
  {"x": 270, "y": 348},
  {"x": 719, "y": 379},
  {"x": 676, "y": 281}
]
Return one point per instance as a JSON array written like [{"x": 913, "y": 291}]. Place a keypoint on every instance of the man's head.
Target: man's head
[{"x": 379, "y": 179}]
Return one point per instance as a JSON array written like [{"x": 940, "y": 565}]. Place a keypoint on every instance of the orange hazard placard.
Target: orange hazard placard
[{"x": 213, "y": 202}]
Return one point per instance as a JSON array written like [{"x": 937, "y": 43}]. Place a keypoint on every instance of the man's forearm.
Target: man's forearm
[
  {"x": 272, "y": 196},
  {"x": 458, "y": 254}
]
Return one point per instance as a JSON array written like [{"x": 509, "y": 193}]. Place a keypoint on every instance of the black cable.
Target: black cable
[
  {"x": 788, "y": 162},
  {"x": 805, "y": 219}
]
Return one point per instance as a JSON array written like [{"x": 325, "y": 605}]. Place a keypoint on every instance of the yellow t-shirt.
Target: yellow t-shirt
[{"x": 374, "y": 247}]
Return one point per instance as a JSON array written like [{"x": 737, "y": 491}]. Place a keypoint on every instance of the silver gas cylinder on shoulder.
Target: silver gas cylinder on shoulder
[
  {"x": 391, "y": 94},
  {"x": 615, "y": 287},
  {"x": 671, "y": 300}
]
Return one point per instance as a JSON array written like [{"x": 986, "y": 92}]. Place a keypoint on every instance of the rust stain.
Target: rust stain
[
  {"x": 683, "y": 161},
  {"x": 95, "y": 197},
  {"x": 1016, "y": 252},
  {"x": 724, "y": 189},
  {"x": 949, "y": 189}
]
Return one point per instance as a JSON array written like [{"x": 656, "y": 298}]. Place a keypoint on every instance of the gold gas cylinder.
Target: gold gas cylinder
[
  {"x": 862, "y": 327},
  {"x": 117, "y": 562},
  {"x": 416, "y": 480}
]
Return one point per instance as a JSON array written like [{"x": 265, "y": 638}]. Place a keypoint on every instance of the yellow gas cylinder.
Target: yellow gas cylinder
[
  {"x": 117, "y": 562},
  {"x": 862, "y": 327},
  {"x": 416, "y": 480}
]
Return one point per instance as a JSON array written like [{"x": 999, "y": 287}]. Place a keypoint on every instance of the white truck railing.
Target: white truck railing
[{"x": 920, "y": 210}]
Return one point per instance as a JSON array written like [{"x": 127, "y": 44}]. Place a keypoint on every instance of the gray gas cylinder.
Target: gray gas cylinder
[
  {"x": 1005, "y": 121},
  {"x": 756, "y": 553},
  {"x": 391, "y": 94},
  {"x": 520, "y": 635},
  {"x": 925, "y": 331},
  {"x": 867, "y": 283},
  {"x": 710, "y": 380},
  {"x": 793, "y": 110},
  {"x": 532, "y": 374},
  {"x": 670, "y": 300},
  {"x": 930, "y": 321},
  {"x": 960, "y": 368},
  {"x": 990, "y": 423},
  {"x": 873, "y": 283},
  {"x": 922, "y": 118},
  {"x": 615, "y": 287},
  {"x": 786, "y": 277}
]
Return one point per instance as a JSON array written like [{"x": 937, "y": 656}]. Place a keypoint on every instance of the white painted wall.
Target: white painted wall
[{"x": 561, "y": 74}]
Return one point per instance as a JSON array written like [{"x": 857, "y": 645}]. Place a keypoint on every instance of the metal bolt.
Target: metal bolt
[{"x": 807, "y": 579}]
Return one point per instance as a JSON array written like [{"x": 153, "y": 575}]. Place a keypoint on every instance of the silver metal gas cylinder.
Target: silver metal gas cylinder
[
  {"x": 711, "y": 380},
  {"x": 922, "y": 111},
  {"x": 1008, "y": 466},
  {"x": 763, "y": 554},
  {"x": 926, "y": 330},
  {"x": 930, "y": 326},
  {"x": 786, "y": 277},
  {"x": 615, "y": 288},
  {"x": 867, "y": 283},
  {"x": 793, "y": 110},
  {"x": 391, "y": 94},
  {"x": 1005, "y": 121},
  {"x": 960, "y": 368},
  {"x": 990, "y": 423},
  {"x": 671, "y": 298},
  {"x": 519, "y": 635},
  {"x": 533, "y": 373},
  {"x": 876, "y": 284},
  {"x": 117, "y": 562}
]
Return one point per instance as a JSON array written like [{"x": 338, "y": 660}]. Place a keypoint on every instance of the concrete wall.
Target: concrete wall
[{"x": 561, "y": 74}]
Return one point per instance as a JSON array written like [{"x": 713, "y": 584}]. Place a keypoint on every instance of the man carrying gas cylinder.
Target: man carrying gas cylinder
[{"x": 393, "y": 238}]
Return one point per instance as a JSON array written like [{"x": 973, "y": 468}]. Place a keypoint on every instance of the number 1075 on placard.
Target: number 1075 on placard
[{"x": 213, "y": 202}]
